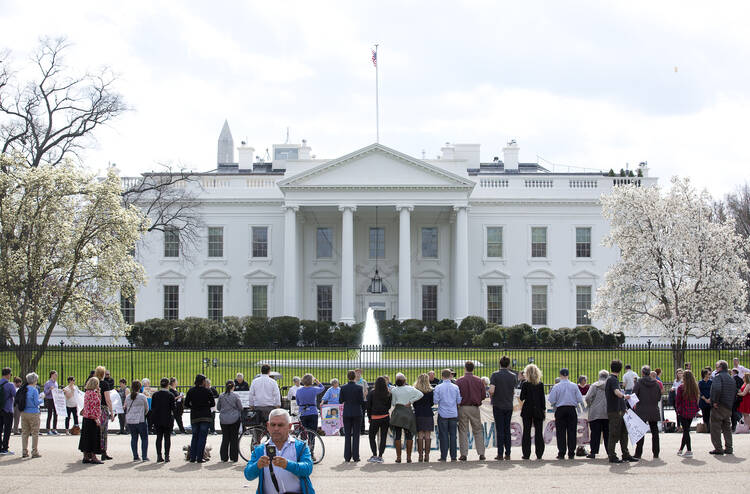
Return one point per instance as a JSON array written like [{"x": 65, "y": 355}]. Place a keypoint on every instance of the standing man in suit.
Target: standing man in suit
[{"x": 353, "y": 400}]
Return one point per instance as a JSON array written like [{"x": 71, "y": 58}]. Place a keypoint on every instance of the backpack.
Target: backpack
[{"x": 21, "y": 397}]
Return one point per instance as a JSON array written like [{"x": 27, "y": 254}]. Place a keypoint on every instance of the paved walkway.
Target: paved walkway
[{"x": 60, "y": 471}]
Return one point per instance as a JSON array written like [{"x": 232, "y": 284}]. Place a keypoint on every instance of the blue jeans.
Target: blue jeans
[
  {"x": 198, "y": 443},
  {"x": 135, "y": 431},
  {"x": 447, "y": 436},
  {"x": 502, "y": 429}
]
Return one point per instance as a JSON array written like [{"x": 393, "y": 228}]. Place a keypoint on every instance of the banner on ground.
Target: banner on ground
[
  {"x": 331, "y": 418},
  {"x": 117, "y": 408},
  {"x": 58, "y": 396},
  {"x": 489, "y": 434},
  {"x": 244, "y": 397}
]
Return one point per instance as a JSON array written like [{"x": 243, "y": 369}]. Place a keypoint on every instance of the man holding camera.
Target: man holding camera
[{"x": 284, "y": 464}]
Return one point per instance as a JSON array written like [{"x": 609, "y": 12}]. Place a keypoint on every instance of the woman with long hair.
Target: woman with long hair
[
  {"x": 403, "y": 419},
  {"x": 425, "y": 417},
  {"x": 533, "y": 410},
  {"x": 704, "y": 386},
  {"x": 686, "y": 406},
  {"x": 136, "y": 407},
  {"x": 230, "y": 414},
  {"x": 378, "y": 407},
  {"x": 90, "y": 442}
]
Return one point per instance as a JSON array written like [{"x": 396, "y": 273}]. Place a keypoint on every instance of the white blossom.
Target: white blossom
[
  {"x": 680, "y": 272},
  {"x": 65, "y": 252}
]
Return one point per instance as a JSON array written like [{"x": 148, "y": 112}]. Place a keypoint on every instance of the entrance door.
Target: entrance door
[{"x": 378, "y": 310}]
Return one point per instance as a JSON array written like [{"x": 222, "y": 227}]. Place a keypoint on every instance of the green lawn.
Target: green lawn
[{"x": 184, "y": 364}]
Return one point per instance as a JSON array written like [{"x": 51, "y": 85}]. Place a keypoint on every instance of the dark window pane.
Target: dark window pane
[
  {"x": 171, "y": 243},
  {"x": 430, "y": 243},
  {"x": 324, "y": 244},
  {"x": 539, "y": 305},
  {"x": 494, "y": 241},
  {"x": 260, "y": 241},
  {"x": 583, "y": 304},
  {"x": 171, "y": 302},
  {"x": 260, "y": 300},
  {"x": 128, "y": 309},
  {"x": 539, "y": 241},
  {"x": 325, "y": 303},
  {"x": 583, "y": 242},
  {"x": 215, "y": 241},
  {"x": 429, "y": 302},
  {"x": 377, "y": 243},
  {"x": 215, "y": 302},
  {"x": 495, "y": 304}
]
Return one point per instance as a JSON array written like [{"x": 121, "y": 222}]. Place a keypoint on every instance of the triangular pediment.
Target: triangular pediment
[{"x": 376, "y": 166}]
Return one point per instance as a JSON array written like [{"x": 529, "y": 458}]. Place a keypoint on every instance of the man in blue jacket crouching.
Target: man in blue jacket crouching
[{"x": 284, "y": 464}]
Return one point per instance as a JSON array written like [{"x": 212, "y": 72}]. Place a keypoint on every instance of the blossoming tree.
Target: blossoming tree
[
  {"x": 680, "y": 272},
  {"x": 66, "y": 245}
]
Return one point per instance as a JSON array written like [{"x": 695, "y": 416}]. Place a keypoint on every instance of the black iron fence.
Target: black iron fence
[{"x": 219, "y": 365}]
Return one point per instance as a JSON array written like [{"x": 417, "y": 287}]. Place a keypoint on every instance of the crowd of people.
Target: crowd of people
[{"x": 721, "y": 396}]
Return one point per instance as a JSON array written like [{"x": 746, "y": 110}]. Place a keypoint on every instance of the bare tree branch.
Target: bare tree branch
[{"x": 53, "y": 117}]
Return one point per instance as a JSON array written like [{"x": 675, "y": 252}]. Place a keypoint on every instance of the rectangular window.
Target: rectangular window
[
  {"x": 583, "y": 304},
  {"x": 171, "y": 242},
  {"x": 377, "y": 243},
  {"x": 260, "y": 301},
  {"x": 495, "y": 304},
  {"x": 215, "y": 302},
  {"x": 324, "y": 244},
  {"x": 325, "y": 303},
  {"x": 429, "y": 302},
  {"x": 127, "y": 307},
  {"x": 539, "y": 305},
  {"x": 539, "y": 241},
  {"x": 430, "y": 242},
  {"x": 583, "y": 242},
  {"x": 260, "y": 241},
  {"x": 171, "y": 302},
  {"x": 494, "y": 241},
  {"x": 215, "y": 241}
]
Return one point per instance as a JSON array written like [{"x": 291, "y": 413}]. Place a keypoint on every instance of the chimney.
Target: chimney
[
  {"x": 510, "y": 156},
  {"x": 246, "y": 156},
  {"x": 304, "y": 150},
  {"x": 448, "y": 151}
]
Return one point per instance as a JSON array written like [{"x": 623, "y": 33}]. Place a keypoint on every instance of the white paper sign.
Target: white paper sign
[
  {"x": 116, "y": 402},
  {"x": 58, "y": 396},
  {"x": 244, "y": 398},
  {"x": 79, "y": 400},
  {"x": 637, "y": 428},
  {"x": 633, "y": 400}
]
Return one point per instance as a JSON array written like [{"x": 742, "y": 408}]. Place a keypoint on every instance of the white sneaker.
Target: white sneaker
[
  {"x": 688, "y": 454},
  {"x": 372, "y": 459},
  {"x": 380, "y": 459},
  {"x": 679, "y": 453}
]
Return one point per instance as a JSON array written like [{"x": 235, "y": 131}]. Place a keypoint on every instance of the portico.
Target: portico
[{"x": 376, "y": 206}]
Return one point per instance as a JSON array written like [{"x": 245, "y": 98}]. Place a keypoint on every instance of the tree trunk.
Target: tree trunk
[
  {"x": 678, "y": 354},
  {"x": 24, "y": 355}
]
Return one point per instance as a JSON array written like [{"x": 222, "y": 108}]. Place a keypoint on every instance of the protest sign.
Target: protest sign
[
  {"x": 114, "y": 396},
  {"x": 58, "y": 396},
  {"x": 331, "y": 418},
  {"x": 637, "y": 428},
  {"x": 244, "y": 397}
]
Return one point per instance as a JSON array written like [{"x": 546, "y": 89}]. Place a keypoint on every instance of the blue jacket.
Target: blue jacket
[{"x": 302, "y": 468}]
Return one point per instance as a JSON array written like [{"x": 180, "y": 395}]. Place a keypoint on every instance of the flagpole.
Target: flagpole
[{"x": 377, "y": 106}]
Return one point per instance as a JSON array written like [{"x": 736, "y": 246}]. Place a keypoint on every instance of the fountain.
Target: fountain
[{"x": 370, "y": 340}]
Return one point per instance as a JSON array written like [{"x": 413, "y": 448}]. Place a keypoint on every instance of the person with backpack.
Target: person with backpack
[
  {"x": 29, "y": 401},
  {"x": 7, "y": 396}
]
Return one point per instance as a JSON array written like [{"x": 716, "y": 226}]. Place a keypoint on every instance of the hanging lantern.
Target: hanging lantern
[{"x": 376, "y": 282}]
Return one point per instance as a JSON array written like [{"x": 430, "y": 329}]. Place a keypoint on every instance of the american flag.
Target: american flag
[{"x": 374, "y": 58}]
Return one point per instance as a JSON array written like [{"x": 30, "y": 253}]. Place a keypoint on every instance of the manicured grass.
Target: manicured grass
[{"x": 184, "y": 364}]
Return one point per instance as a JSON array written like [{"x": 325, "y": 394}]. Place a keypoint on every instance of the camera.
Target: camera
[{"x": 270, "y": 451}]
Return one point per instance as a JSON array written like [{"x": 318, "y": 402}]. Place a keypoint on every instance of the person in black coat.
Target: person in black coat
[
  {"x": 354, "y": 403},
  {"x": 533, "y": 411},
  {"x": 199, "y": 400},
  {"x": 162, "y": 411}
]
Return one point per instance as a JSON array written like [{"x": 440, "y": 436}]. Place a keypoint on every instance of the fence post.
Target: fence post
[
  {"x": 62, "y": 368},
  {"x": 132, "y": 373}
]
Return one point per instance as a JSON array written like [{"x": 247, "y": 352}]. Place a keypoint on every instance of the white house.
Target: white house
[{"x": 412, "y": 238}]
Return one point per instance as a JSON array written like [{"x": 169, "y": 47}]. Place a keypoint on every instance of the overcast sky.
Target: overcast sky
[{"x": 587, "y": 84}]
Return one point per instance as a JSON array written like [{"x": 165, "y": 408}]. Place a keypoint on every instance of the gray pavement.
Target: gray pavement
[{"x": 60, "y": 471}]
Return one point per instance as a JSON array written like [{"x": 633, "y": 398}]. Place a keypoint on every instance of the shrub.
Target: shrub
[
  {"x": 473, "y": 324},
  {"x": 285, "y": 331},
  {"x": 345, "y": 335},
  {"x": 232, "y": 331},
  {"x": 256, "y": 332},
  {"x": 200, "y": 333}
]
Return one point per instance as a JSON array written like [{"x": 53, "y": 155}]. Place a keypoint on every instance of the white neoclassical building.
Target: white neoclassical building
[{"x": 411, "y": 238}]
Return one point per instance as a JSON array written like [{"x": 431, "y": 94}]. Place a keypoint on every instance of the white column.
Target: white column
[
  {"x": 290, "y": 260},
  {"x": 347, "y": 264},
  {"x": 461, "y": 285},
  {"x": 404, "y": 262}
]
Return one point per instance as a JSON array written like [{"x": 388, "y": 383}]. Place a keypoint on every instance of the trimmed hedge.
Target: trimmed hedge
[{"x": 286, "y": 331}]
